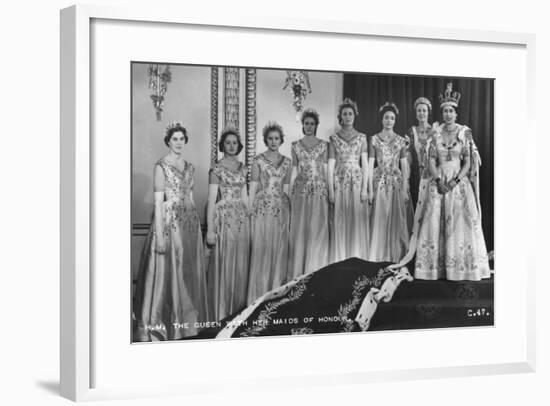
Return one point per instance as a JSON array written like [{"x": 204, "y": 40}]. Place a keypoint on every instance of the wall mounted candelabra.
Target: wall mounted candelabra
[
  {"x": 159, "y": 77},
  {"x": 297, "y": 81}
]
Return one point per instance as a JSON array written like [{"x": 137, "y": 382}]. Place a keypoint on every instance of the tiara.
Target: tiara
[
  {"x": 347, "y": 102},
  {"x": 232, "y": 130},
  {"x": 450, "y": 98},
  {"x": 390, "y": 106},
  {"x": 272, "y": 125},
  {"x": 174, "y": 124},
  {"x": 423, "y": 100},
  {"x": 310, "y": 112}
]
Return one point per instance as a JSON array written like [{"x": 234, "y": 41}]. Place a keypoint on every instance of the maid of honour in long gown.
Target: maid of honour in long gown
[
  {"x": 228, "y": 230},
  {"x": 171, "y": 293},
  {"x": 270, "y": 219},
  {"x": 448, "y": 236},
  {"x": 309, "y": 229},
  {"x": 418, "y": 138},
  {"x": 348, "y": 188},
  {"x": 392, "y": 213}
]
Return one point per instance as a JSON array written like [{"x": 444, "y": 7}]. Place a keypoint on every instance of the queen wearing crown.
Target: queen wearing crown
[
  {"x": 171, "y": 292},
  {"x": 448, "y": 237}
]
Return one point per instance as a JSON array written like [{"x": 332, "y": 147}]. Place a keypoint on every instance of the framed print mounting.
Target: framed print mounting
[{"x": 242, "y": 201}]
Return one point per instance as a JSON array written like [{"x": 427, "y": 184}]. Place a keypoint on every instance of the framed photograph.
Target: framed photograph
[{"x": 230, "y": 198}]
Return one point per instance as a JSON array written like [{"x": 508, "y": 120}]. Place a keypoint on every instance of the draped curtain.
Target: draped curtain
[{"x": 370, "y": 91}]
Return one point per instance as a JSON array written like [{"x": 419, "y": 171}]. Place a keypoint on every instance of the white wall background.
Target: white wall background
[
  {"x": 276, "y": 104},
  {"x": 187, "y": 100},
  {"x": 29, "y": 164}
]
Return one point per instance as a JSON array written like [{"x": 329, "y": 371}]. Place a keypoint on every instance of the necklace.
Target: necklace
[
  {"x": 387, "y": 137},
  {"x": 448, "y": 130},
  {"x": 453, "y": 143},
  {"x": 347, "y": 131}
]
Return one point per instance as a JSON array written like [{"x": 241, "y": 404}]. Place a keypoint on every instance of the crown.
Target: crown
[
  {"x": 310, "y": 112},
  {"x": 389, "y": 106},
  {"x": 347, "y": 102},
  {"x": 449, "y": 98},
  {"x": 423, "y": 100}
]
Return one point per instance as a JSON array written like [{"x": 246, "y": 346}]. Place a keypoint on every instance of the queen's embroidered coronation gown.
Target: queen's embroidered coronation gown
[
  {"x": 350, "y": 220},
  {"x": 270, "y": 224},
  {"x": 228, "y": 267},
  {"x": 171, "y": 293},
  {"x": 391, "y": 214},
  {"x": 309, "y": 229},
  {"x": 450, "y": 242}
]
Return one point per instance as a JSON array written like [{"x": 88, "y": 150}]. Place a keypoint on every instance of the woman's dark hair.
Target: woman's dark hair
[
  {"x": 227, "y": 133},
  {"x": 272, "y": 126},
  {"x": 175, "y": 129},
  {"x": 384, "y": 109},
  {"x": 310, "y": 113}
]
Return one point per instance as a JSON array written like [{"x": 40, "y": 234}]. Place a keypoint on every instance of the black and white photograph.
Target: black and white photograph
[{"x": 281, "y": 202}]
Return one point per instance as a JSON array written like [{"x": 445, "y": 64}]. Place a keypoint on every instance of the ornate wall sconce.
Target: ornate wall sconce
[
  {"x": 159, "y": 78},
  {"x": 298, "y": 83}
]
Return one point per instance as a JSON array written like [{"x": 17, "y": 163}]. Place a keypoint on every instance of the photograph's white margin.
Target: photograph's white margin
[{"x": 75, "y": 227}]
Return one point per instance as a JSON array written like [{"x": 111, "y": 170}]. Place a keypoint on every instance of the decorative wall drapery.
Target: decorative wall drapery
[
  {"x": 230, "y": 109},
  {"x": 231, "y": 97}
]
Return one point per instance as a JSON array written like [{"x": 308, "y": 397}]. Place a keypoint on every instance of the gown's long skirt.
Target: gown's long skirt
[
  {"x": 170, "y": 297},
  {"x": 350, "y": 230},
  {"x": 391, "y": 222},
  {"x": 269, "y": 256},
  {"x": 309, "y": 234},
  {"x": 450, "y": 238},
  {"x": 229, "y": 261}
]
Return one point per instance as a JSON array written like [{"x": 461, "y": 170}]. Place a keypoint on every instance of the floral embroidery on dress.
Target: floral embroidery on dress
[
  {"x": 271, "y": 200},
  {"x": 427, "y": 258},
  {"x": 311, "y": 179},
  {"x": 231, "y": 209},
  {"x": 347, "y": 172},
  {"x": 387, "y": 174},
  {"x": 452, "y": 219},
  {"x": 179, "y": 208},
  {"x": 421, "y": 146}
]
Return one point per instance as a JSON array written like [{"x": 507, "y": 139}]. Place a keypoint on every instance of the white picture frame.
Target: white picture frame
[{"x": 77, "y": 188}]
